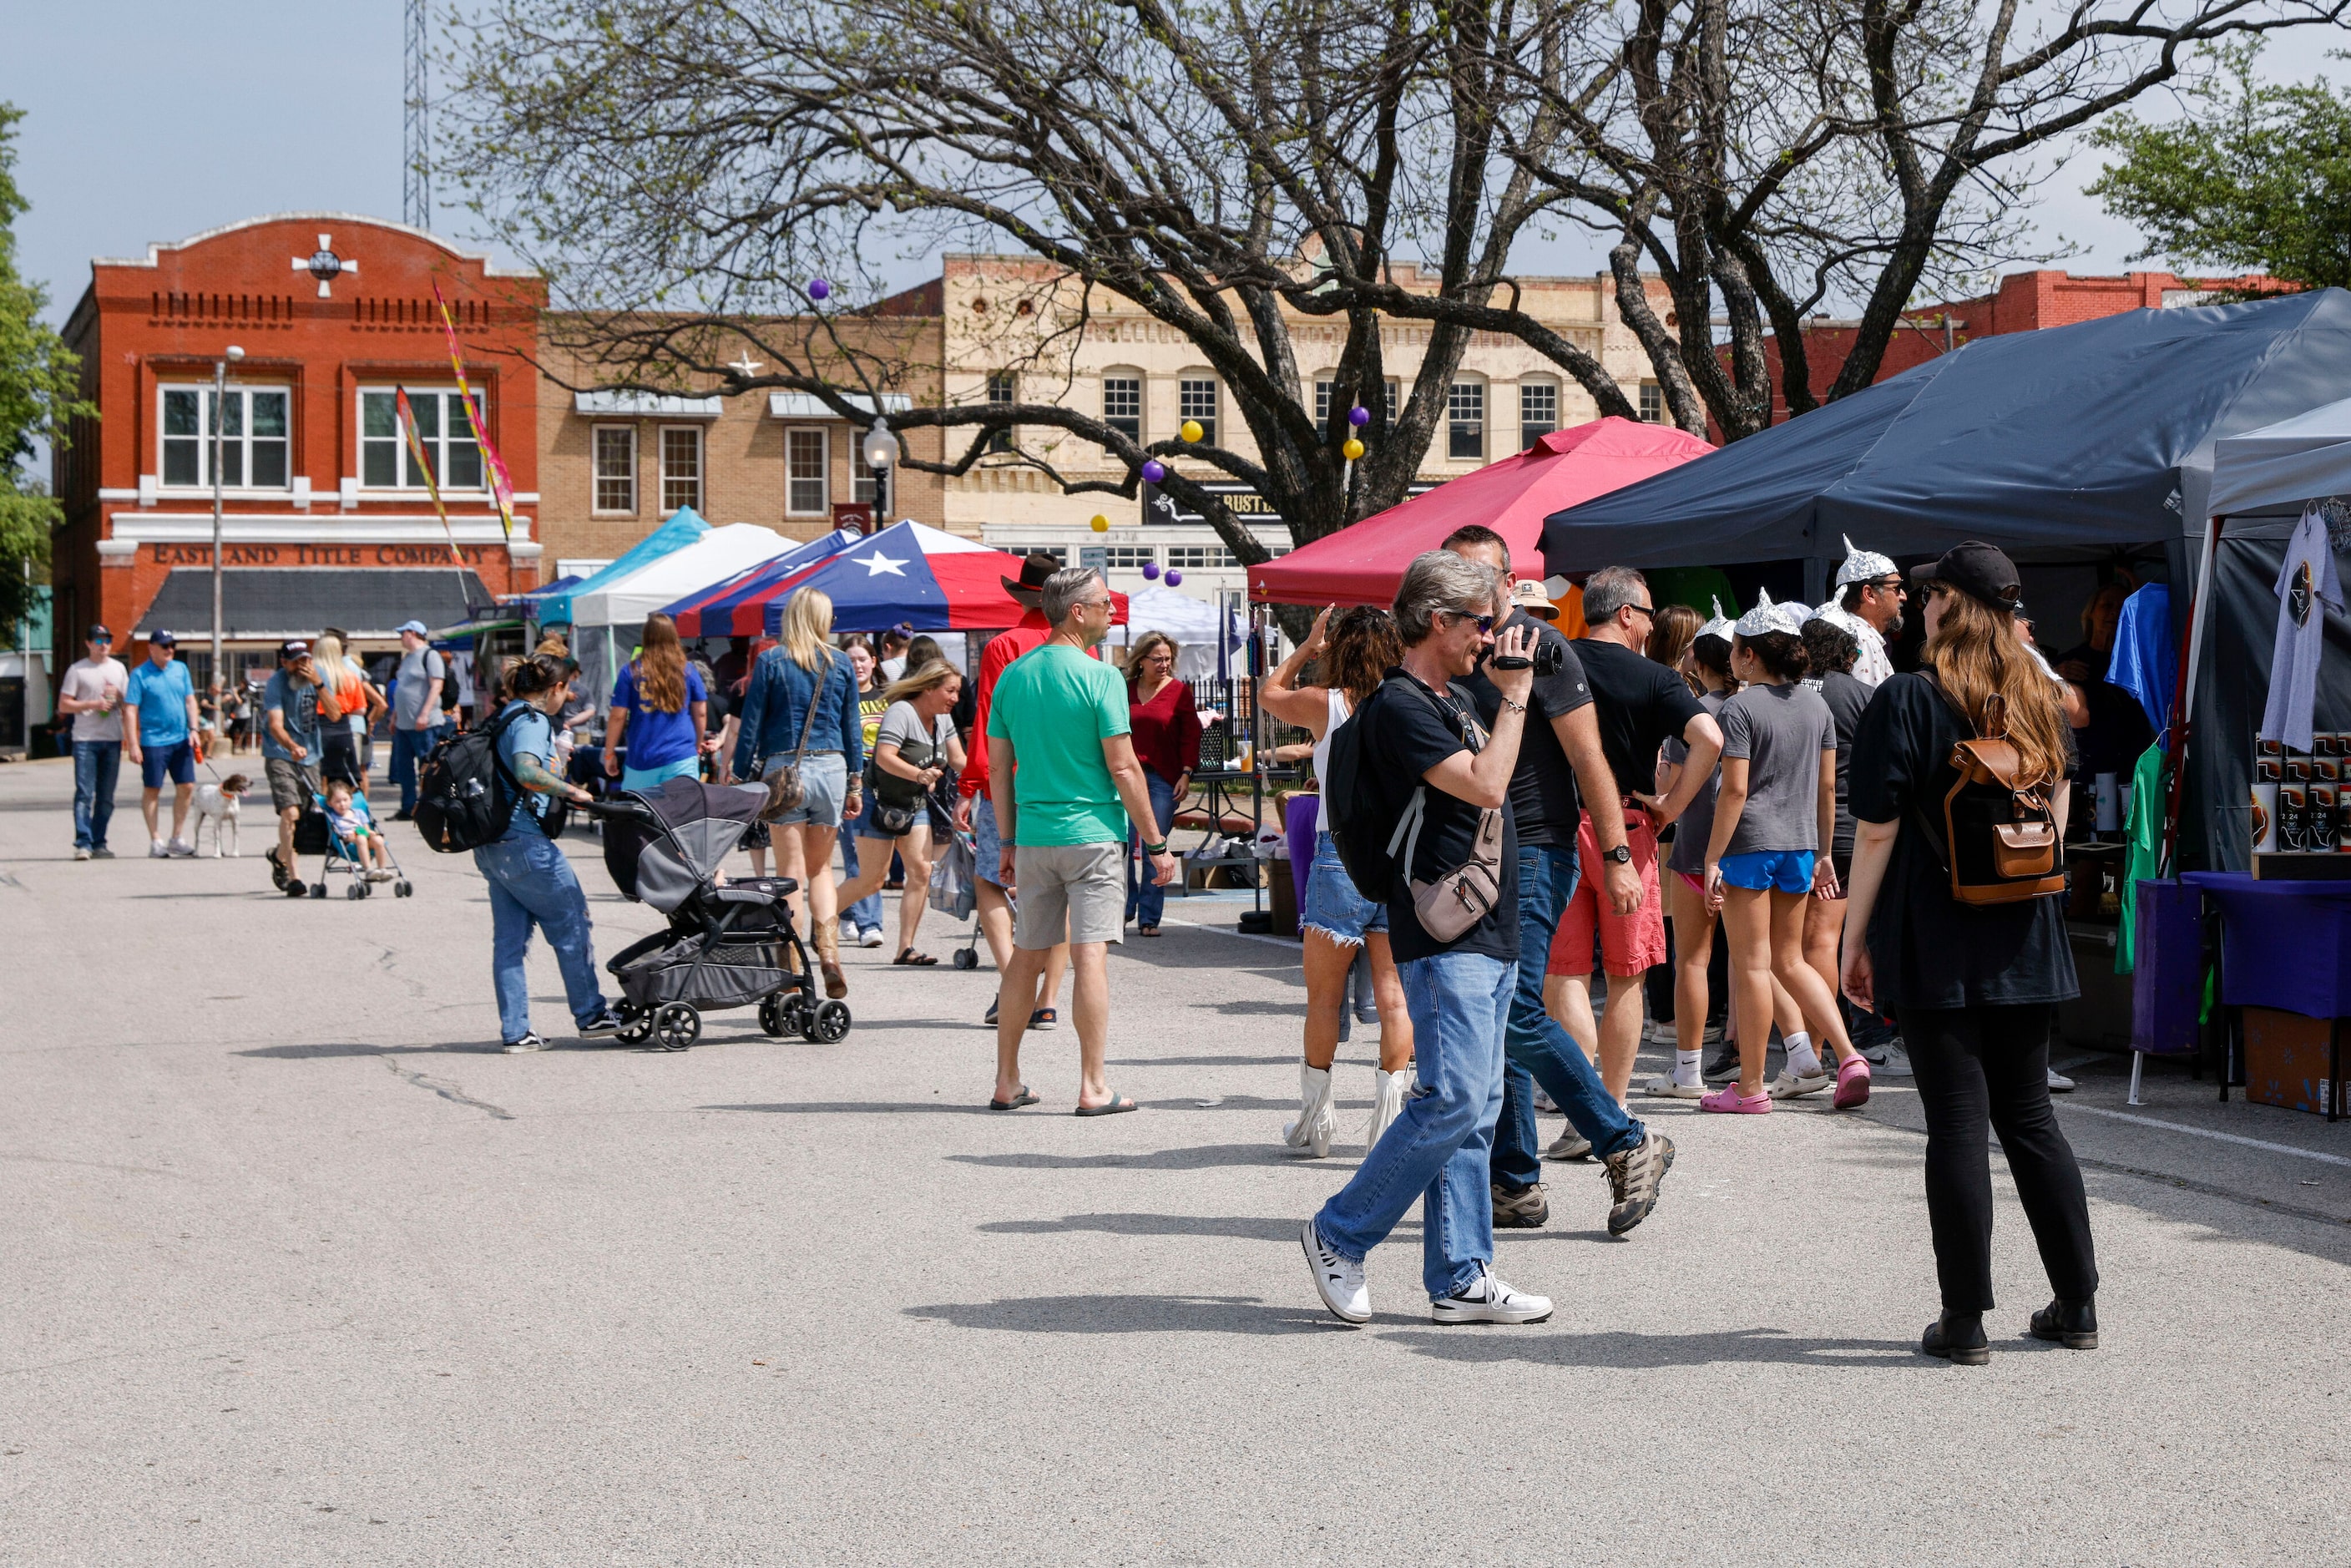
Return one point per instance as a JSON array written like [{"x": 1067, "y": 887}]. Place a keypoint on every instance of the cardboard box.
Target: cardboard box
[{"x": 2285, "y": 1060}]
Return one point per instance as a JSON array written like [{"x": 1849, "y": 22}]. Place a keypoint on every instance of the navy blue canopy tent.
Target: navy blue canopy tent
[{"x": 2071, "y": 444}]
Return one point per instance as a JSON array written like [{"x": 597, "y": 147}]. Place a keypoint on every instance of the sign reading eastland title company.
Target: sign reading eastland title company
[{"x": 321, "y": 555}]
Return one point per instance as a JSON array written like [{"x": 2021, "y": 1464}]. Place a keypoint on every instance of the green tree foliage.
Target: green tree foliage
[
  {"x": 2256, "y": 176},
  {"x": 40, "y": 392}
]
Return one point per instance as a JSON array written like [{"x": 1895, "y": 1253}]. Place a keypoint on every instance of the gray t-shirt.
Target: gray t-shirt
[
  {"x": 1694, "y": 826},
  {"x": 417, "y": 670},
  {"x": 97, "y": 680},
  {"x": 902, "y": 726},
  {"x": 1782, "y": 732}
]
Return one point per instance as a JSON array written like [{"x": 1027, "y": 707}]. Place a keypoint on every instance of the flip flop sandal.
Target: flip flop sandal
[
  {"x": 1110, "y": 1107},
  {"x": 1147, "y": 930},
  {"x": 914, "y": 960},
  {"x": 1023, "y": 1098}
]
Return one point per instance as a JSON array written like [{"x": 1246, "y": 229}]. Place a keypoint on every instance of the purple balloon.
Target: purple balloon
[
  {"x": 1175, "y": 577},
  {"x": 1358, "y": 417},
  {"x": 1154, "y": 470},
  {"x": 1150, "y": 572},
  {"x": 818, "y": 288}
]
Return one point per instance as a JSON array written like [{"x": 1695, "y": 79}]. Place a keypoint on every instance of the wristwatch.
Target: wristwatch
[{"x": 1621, "y": 855}]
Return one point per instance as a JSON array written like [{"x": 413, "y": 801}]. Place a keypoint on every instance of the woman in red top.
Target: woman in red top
[{"x": 1168, "y": 743}]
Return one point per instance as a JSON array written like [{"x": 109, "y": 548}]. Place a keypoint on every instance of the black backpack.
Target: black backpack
[{"x": 464, "y": 795}]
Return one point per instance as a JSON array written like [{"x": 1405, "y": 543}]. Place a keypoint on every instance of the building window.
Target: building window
[
  {"x": 254, "y": 438},
  {"x": 616, "y": 468},
  {"x": 1465, "y": 420},
  {"x": 861, "y": 487},
  {"x": 1003, "y": 388},
  {"x": 1196, "y": 400},
  {"x": 387, "y": 464},
  {"x": 1322, "y": 394},
  {"x": 1652, "y": 403},
  {"x": 1199, "y": 558},
  {"x": 681, "y": 458},
  {"x": 1537, "y": 411},
  {"x": 1123, "y": 406},
  {"x": 805, "y": 484},
  {"x": 1128, "y": 557}
]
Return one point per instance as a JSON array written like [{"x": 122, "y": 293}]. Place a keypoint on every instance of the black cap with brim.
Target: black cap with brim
[{"x": 1980, "y": 571}]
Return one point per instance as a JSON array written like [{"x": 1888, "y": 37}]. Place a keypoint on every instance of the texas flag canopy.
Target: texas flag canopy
[
  {"x": 736, "y": 606},
  {"x": 918, "y": 576}
]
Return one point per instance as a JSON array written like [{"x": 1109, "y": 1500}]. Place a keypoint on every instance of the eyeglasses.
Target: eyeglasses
[
  {"x": 1485, "y": 622},
  {"x": 1642, "y": 608}
]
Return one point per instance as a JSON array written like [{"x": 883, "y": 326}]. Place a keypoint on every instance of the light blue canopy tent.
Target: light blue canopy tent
[{"x": 681, "y": 528}]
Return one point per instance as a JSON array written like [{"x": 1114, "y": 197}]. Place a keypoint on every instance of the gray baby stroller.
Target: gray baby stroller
[{"x": 729, "y": 945}]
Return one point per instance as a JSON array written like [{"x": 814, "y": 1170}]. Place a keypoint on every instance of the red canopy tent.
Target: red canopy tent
[{"x": 1363, "y": 564}]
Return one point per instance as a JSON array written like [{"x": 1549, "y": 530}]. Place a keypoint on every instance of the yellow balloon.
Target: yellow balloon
[
  {"x": 1191, "y": 431},
  {"x": 1101, "y": 525},
  {"x": 1353, "y": 449}
]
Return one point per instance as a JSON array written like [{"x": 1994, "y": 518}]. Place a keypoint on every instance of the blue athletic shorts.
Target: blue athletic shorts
[
  {"x": 177, "y": 760},
  {"x": 1782, "y": 871}
]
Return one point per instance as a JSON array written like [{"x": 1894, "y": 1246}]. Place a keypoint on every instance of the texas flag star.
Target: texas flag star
[{"x": 877, "y": 563}]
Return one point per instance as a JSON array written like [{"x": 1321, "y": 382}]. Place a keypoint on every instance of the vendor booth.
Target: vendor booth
[
  {"x": 916, "y": 576},
  {"x": 1193, "y": 623},
  {"x": 737, "y": 607},
  {"x": 607, "y": 617},
  {"x": 681, "y": 528}
]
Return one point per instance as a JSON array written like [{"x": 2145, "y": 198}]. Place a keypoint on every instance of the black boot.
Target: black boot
[
  {"x": 2074, "y": 1325},
  {"x": 1958, "y": 1338}
]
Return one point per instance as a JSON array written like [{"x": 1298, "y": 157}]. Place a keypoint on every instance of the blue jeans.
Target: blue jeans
[
  {"x": 1146, "y": 901},
  {"x": 1540, "y": 1050},
  {"x": 865, "y": 914},
  {"x": 96, "y": 765},
  {"x": 1438, "y": 1149},
  {"x": 532, "y": 883},
  {"x": 408, "y": 748}
]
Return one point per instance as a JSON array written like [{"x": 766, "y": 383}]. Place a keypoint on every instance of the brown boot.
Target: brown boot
[{"x": 828, "y": 960}]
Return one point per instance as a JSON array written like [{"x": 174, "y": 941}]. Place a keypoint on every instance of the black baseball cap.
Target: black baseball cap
[
  {"x": 1980, "y": 571},
  {"x": 291, "y": 649},
  {"x": 162, "y": 640},
  {"x": 98, "y": 635}
]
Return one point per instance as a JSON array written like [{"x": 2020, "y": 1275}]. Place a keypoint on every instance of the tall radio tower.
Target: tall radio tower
[{"x": 416, "y": 182}]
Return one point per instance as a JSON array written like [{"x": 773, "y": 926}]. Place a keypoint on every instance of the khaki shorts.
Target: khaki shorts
[
  {"x": 291, "y": 784},
  {"x": 1080, "y": 887}
]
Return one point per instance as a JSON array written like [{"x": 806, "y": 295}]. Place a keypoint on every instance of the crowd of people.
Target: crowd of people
[{"x": 1743, "y": 809}]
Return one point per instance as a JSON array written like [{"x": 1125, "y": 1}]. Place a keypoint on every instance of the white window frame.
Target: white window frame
[
  {"x": 862, "y": 488},
  {"x": 1188, "y": 386},
  {"x": 596, "y": 471},
  {"x": 701, "y": 468},
  {"x": 1129, "y": 558},
  {"x": 1649, "y": 401},
  {"x": 241, "y": 394},
  {"x": 1526, "y": 423},
  {"x": 1140, "y": 384},
  {"x": 1202, "y": 557},
  {"x": 1454, "y": 423},
  {"x": 436, "y": 447},
  {"x": 1003, "y": 390},
  {"x": 823, "y": 479}
]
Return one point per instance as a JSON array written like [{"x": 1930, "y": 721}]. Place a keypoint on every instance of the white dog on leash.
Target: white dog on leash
[{"x": 216, "y": 804}]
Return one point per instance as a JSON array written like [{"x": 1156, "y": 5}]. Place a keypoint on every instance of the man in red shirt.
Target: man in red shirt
[{"x": 977, "y": 812}]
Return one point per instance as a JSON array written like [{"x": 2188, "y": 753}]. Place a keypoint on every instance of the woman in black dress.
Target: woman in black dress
[{"x": 1974, "y": 987}]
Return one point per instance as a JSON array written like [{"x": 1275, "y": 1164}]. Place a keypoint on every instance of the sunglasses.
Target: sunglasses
[{"x": 1485, "y": 622}]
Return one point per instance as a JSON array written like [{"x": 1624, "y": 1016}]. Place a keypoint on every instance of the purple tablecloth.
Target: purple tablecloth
[
  {"x": 2283, "y": 944},
  {"x": 1299, "y": 822}
]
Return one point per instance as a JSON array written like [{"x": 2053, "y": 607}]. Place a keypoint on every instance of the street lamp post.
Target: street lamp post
[
  {"x": 220, "y": 399},
  {"x": 881, "y": 450}
]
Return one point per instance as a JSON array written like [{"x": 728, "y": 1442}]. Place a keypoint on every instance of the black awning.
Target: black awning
[{"x": 273, "y": 602}]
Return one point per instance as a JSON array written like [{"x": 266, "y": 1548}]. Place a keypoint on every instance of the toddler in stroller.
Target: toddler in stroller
[
  {"x": 727, "y": 944},
  {"x": 340, "y": 827}
]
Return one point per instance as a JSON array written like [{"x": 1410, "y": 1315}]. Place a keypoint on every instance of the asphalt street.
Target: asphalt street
[{"x": 295, "y": 1268}]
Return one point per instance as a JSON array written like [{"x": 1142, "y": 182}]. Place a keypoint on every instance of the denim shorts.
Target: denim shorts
[
  {"x": 824, "y": 787},
  {"x": 1334, "y": 906},
  {"x": 1782, "y": 871},
  {"x": 987, "y": 845}
]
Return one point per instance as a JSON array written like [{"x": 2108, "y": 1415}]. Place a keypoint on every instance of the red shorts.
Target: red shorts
[{"x": 1629, "y": 944}]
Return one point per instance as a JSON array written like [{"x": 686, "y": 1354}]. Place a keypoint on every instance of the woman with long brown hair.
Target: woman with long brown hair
[
  {"x": 1974, "y": 987},
  {"x": 660, "y": 711},
  {"x": 1355, "y": 649}
]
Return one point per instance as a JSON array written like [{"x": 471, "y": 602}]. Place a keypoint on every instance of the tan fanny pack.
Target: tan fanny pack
[{"x": 1452, "y": 906}]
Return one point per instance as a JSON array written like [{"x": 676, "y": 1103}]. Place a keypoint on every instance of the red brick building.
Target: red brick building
[
  {"x": 2025, "y": 302},
  {"x": 327, "y": 521}
]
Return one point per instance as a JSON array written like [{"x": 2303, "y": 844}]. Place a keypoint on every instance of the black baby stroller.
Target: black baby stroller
[{"x": 728, "y": 944}]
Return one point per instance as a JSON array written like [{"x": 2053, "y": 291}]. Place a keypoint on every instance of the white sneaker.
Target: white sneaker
[
  {"x": 2058, "y": 1083},
  {"x": 156, "y": 851},
  {"x": 1315, "y": 1126},
  {"x": 1339, "y": 1280},
  {"x": 1664, "y": 1086},
  {"x": 1787, "y": 1086},
  {"x": 1388, "y": 1092},
  {"x": 1489, "y": 1301},
  {"x": 81, "y": 853},
  {"x": 870, "y": 939},
  {"x": 180, "y": 849}
]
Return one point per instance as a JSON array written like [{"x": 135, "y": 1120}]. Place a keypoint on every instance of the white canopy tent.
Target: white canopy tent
[
  {"x": 2281, "y": 466},
  {"x": 1155, "y": 607},
  {"x": 605, "y": 623}
]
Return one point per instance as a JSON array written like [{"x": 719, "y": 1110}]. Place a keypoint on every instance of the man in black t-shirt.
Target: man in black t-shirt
[
  {"x": 1561, "y": 749},
  {"x": 1425, "y": 753},
  {"x": 1641, "y": 704}
]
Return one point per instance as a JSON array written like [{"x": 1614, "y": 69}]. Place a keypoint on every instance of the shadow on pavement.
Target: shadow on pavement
[
  {"x": 1230, "y": 1227},
  {"x": 1757, "y": 1346},
  {"x": 1207, "y": 1156},
  {"x": 331, "y": 1049},
  {"x": 862, "y": 1107},
  {"x": 1130, "y": 1314}
]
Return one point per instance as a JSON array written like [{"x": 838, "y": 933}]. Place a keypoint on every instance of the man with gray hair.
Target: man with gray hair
[
  {"x": 1434, "y": 787},
  {"x": 1062, "y": 764}
]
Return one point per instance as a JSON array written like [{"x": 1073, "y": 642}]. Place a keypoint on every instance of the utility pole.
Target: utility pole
[{"x": 416, "y": 182}]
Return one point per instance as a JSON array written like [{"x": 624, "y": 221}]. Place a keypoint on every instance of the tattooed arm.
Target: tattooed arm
[{"x": 531, "y": 773}]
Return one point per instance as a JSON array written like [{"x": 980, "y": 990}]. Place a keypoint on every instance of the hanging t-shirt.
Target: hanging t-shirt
[
  {"x": 2307, "y": 588},
  {"x": 2145, "y": 853},
  {"x": 2145, "y": 660}
]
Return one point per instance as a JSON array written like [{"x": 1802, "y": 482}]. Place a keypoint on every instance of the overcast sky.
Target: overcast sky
[{"x": 152, "y": 121}]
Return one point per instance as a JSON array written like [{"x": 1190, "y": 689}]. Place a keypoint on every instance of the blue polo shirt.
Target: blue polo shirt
[{"x": 162, "y": 698}]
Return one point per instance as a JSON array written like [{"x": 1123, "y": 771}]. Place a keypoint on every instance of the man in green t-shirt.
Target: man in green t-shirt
[{"x": 1063, "y": 779}]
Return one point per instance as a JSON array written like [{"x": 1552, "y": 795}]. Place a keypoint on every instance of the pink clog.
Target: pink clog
[
  {"x": 1729, "y": 1099},
  {"x": 1852, "y": 1084}
]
